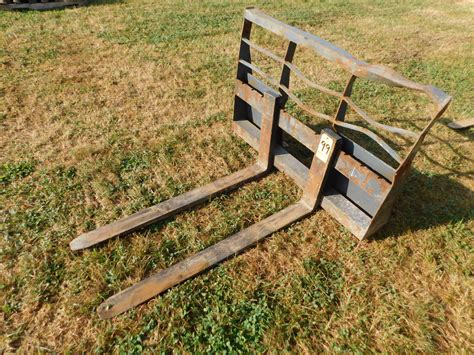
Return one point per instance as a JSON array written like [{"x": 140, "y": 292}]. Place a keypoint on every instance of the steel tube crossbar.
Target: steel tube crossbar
[
  {"x": 353, "y": 127},
  {"x": 292, "y": 67}
]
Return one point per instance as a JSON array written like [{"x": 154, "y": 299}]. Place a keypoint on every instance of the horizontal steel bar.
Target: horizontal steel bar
[
  {"x": 360, "y": 129},
  {"x": 257, "y": 84},
  {"x": 367, "y": 158},
  {"x": 249, "y": 95},
  {"x": 338, "y": 206},
  {"x": 359, "y": 68},
  {"x": 358, "y": 183},
  {"x": 346, "y": 213},
  {"x": 299, "y": 131}
]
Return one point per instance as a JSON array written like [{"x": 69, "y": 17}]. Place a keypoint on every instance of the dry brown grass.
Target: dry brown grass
[{"x": 113, "y": 107}]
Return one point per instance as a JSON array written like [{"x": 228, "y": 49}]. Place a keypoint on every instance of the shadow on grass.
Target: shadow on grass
[
  {"x": 430, "y": 200},
  {"x": 427, "y": 202}
]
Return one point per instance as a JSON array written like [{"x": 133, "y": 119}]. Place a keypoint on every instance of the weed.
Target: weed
[{"x": 13, "y": 171}]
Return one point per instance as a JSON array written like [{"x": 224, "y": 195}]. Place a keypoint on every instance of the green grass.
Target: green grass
[{"x": 113, "y": 107}]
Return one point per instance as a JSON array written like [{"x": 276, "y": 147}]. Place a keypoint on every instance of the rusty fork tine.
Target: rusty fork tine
[
  {"x": 329, "y": 144},
  {"x": 167, "y": 278},
  {"x": 189, "y": 199},
  {"x": 167, "y": 208}
]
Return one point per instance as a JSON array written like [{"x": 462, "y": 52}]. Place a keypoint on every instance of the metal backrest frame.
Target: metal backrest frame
[{"x": 362, "y": 189}]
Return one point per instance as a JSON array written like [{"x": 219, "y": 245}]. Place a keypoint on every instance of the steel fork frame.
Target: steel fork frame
[
  {"x": 205, "y": 259},
  {"x": 361, "y": 197}
]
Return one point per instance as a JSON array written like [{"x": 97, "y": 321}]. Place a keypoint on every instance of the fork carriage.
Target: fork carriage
[{"x": 353, "y": 185}]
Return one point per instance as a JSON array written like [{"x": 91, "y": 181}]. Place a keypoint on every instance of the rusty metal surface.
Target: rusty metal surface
[
  {"x": 352, "y": 180},
  {"x": 350, "y": 183},
  {"x": 345, "y": 163},
  {"x": 329, "y": 51},
  {"x": 328, "y": 146}
]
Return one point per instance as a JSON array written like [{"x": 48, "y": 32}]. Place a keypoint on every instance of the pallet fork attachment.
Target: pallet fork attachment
[{"x": 353, "y": 185}]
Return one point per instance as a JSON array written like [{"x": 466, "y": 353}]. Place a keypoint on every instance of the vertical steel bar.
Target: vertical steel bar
[
  {"x": 342, "y": 109},
  {"x": 268, "y": 130},
  {"x": 286, "y": 71},
  {"x": 244, "y": 52},
  {"x": 323, "y": 160}
]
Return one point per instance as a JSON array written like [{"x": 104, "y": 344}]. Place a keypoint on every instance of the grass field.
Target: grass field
[{"x": 113, "y": 107}]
